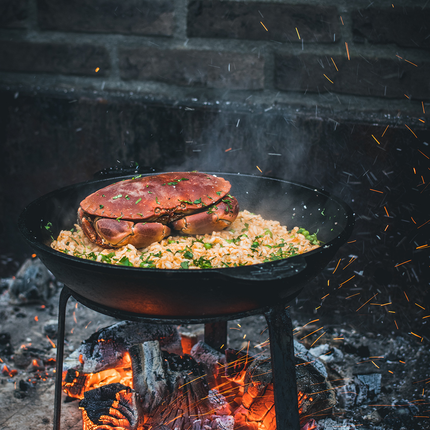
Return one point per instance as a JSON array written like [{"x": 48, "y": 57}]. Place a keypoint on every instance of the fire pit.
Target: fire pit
[{"x": 202, "y": 295}]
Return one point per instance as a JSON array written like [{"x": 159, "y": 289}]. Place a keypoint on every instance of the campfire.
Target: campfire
[{"x": 159, "y": 383}]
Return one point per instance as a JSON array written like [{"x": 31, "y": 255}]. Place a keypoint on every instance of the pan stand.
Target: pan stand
[{"x": 281, "y": 348}]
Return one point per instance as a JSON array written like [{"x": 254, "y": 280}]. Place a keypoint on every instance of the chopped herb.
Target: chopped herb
[
  {"x": 138, "y": 200},
  {"x": 268, "y": 232},
  {"x": 156, "y": 199},
  {"x": 219, "y": 192},
  {"x": 185, "y": 265},
  {"x": 125, "y": 261},
  {"x": 127, "y": 198},
  {"x": 107, "y": 258},
  {"x": 188, "y": 255},
  {"x": 198, "y": 201},
  {"x": 150, "y": 192},
  {"x": 185, "y": 201},
  {"x": 207, "y": 245},
  {"x": 147, "y": 264},
  {"x": 158, "y": 254},
  {"x": 140, "y": 213},
  {"x": 119, "y": 218},
  {"x": 91, "y": 256},
  {"x": 246, "y": 227},
  {"x": 101, "y": 206},
  {"x": 103, "y": 195},
  {"x": 117, "y": 197},
  {"x": 203, "y": 263}
]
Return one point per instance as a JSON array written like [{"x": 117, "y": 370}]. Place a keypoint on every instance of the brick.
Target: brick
[
  {"x": 147, "y": 17},
  {"x": 404, "y": 26},
  {"x": 13, "y": 13},
  {"x": 244, "y": 20},
  {"x": 193, "y": 68},
  {"x": 375, "y": 77},
  {"x": 53, "y": 58}
]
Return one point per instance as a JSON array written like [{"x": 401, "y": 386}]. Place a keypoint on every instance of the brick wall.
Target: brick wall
[
  {"x": 309, "y": 52},
  {"x": 250, "y": 87}
]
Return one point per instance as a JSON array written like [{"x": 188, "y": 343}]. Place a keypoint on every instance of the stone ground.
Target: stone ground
[{"x": 402, "y": 362}]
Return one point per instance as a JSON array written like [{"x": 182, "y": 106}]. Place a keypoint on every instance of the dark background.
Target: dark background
[{"x": 331, "y": 94}]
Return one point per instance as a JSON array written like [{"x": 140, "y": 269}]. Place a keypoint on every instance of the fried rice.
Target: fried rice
[{"x": 249, "y": 240}]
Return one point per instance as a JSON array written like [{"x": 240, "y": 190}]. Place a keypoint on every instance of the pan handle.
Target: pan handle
[{"x": 274, "y": 270}]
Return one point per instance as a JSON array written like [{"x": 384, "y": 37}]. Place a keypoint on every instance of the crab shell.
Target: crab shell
[{"x": 143, "y": 210}]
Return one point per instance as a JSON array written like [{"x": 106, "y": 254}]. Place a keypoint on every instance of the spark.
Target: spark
[
  {"x": 386, "y": 128},
  {"x": 298, "y": 34},
  {"x": 406, "y": 96},
  {"x": 328, "y": 78},
  {"x": 259, "y": 169},
  {"x": 423, "y": 224},
  {"x": 413, "y": 220},
  {"x": 229, "y": 149},
  {"x": 386, "y": 227},
  {"x": 97, "y": 69},
  {"x": 52, "y": 343},
  {"x": 386, "y": 211},
  {"x": 337, "y": 265},
  {"x": 263, "y": 26},
  {"x": 347, "y": 50},
  {"x": 350, "y": 261},
  {"x": 407, "y": 298},
  {"x": 367, "y": 302},
  {"x": 352, "y": 241},
  {"x": 420, "y": 306},
  {"x": 399, "y": 264},
  {"x": 88, "y": 325},
  {"x": 322, "y": 298},
  {"x": 422, "y": 104},
  {"x": 375, "y": 364},
  {"x": 377, "y": 141},
  {"x": 424, "y": 154},
  {"x": 395, "y": 322},
  {"x": 334, "y": 64},
  {"x": 36, "y": 318},
  {"x": 317, "y": 339},
  {"x": 411, "y": 131},
  {"x": 376, "y": 191},
  {"x": 341, "y": 19},
  {"x": 423, "y": 246},
  {"x": 416, "y": 335},
  {"x": 311, "y": 333},
  {"x": 419, "y": 119},
  {"x": 33, "y": 255},
  {"x": 356, "y": 294},
  {"x": 344, "y": 282}
]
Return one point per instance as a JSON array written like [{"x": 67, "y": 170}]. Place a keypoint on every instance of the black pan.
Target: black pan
[{"x": 202, "y": 293}]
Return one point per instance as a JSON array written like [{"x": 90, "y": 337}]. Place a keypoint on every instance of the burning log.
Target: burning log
[
  {"x": 104, "y": 358},
  {"x": 111, "y": 406},
  {"x": 107, "y": 347},
  {"x": 257, "y": 408},
  {"x": 175, "y": 392}
]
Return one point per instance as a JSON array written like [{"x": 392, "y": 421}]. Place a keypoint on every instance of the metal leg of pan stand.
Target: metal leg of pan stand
[
  {"x": 216, "y": 335},
  {"x": 64, "y": 296},
  {"x": 283, "y": 368}
]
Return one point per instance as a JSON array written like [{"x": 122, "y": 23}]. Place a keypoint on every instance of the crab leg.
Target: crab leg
[
  {"x": 215, "y": 218},
  {"x": 117, "y": 233}
]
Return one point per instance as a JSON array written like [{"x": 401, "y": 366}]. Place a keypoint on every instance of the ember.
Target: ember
[{"x": 149, "y": 387}]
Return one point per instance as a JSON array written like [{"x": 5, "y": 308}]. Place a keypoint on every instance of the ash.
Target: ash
[{"x": 381, "y": 379}]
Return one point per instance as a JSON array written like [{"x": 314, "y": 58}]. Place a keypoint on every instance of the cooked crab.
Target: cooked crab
[{"x": 144, "y": 209}]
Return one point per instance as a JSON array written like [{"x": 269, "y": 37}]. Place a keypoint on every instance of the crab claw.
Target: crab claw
[
  {"x": 117, "y": 233},
  {"x": 216, "y": 218}
]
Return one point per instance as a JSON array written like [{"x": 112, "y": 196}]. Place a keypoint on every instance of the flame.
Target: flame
[{"x": 82, "y": 382}]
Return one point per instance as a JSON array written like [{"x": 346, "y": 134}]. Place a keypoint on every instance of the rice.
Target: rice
[{"x": 249, "y": 240}]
